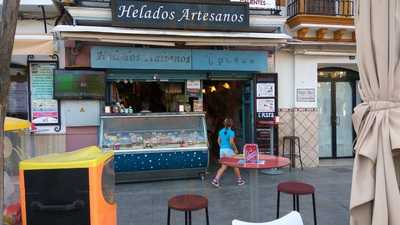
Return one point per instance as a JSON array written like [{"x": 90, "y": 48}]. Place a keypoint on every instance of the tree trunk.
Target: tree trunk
[{"x": 8, "y": 23}]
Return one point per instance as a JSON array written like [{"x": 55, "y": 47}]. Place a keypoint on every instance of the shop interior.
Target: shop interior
[
  {"x": 218, "y": 98},
  {"x": 223, "y": 99},
  {"x": 152, "y": 96}
]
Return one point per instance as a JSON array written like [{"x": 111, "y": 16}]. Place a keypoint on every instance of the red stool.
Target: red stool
[
  {"x": 296, "y": 188},
  {"x": 187, "y": 204}
]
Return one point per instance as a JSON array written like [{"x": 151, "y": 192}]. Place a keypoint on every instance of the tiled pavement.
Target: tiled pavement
[{"x": 146, "y": 203}]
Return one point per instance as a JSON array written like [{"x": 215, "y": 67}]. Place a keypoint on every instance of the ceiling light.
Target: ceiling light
[
  {"x": 226, "y": 85},
  {"x": 213, "y": 88}
]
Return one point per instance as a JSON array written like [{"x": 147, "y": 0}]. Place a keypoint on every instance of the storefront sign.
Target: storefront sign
[
  {"x": 177, "y": 59},
  {"x": 135, "y": 58},
  {"x": 305, "y": 94},
  {"x": 259, "y": 4},
  {"x": 229, "y": 60},
  {"x": 157, "y": 14},
  {"x": 193, "y": 85},
  {"x": 44, "y": 109}
]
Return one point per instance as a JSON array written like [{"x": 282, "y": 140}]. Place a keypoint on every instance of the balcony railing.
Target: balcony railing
[{"x": 321, "y": 7}]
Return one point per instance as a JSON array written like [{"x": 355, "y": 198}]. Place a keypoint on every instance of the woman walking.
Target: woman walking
[{"x": 226, "y": 141}]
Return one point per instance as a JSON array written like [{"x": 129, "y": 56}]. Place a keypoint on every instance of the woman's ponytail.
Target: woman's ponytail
[{"x": 227, "y": 124}]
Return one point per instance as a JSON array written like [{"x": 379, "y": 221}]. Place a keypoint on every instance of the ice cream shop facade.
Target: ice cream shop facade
[{"x": 153, "y": 81}]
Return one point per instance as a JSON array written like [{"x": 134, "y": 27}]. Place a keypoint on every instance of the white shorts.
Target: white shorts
[{"x": 226, "y": 152}]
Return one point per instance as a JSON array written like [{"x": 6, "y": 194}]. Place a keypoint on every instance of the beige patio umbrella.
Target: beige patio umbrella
[{"x": 375, "y": 197}]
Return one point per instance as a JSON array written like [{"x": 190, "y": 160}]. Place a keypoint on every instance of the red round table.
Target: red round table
[
  {"x": 267, "y": 162},
  {"x": 270, "y": 162}
]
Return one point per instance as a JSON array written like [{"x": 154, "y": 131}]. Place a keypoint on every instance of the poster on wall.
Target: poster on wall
[
  {"x": 44, "y": 110},
  {"x": 197, "y": 105},
  {"x": 193, "y": 87},
  {"x": 265, "y": 90},
  {"x": 265, "y": 105},
  {"x": 17, "y": 97},
  {"x": 305, "y": 94}
]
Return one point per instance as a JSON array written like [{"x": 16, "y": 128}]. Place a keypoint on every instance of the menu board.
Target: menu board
[
  {"x": 44, "y": 109},
  {"x": 266, "y": 105},
  {"x": 265, "y": 99}
]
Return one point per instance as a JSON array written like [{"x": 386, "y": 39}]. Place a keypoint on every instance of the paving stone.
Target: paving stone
[{"x": 146, "y": 203}]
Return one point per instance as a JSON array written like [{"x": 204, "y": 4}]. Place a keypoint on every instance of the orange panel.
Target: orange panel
[
  {"x": 22, "y": 196},
  {"x": 101, "y": 212}
]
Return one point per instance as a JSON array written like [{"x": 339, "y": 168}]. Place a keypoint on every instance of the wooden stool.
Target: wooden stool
[
  {"x": 296, "y": 188},
  {"x": 187, "y": 204},
  {"x": 292, "y": 152}
]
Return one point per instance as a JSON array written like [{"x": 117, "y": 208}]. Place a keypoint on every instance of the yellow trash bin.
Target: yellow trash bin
[{"x": 68, "y": 188}]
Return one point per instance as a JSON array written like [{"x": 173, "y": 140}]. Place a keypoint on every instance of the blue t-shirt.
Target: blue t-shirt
[{"x": 225, "y": 135}]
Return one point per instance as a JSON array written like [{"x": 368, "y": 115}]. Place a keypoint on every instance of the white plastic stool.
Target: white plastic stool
[{"x": 293, "y": 218}]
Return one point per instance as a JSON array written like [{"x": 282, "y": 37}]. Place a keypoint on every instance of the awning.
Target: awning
[
  {"x": 160, "y": 37},
  {"x": 33, "y": 45}
]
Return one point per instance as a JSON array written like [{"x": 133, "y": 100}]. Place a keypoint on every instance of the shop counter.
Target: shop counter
[{"x": 156, "y": 146}]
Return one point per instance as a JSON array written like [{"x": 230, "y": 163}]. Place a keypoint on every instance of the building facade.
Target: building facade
[
  {"x": 177, "y": 58},
  {"x": 318, "y": 74}
]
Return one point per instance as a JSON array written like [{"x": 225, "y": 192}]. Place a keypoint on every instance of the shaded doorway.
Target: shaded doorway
[{"x": 230, "y": 99}]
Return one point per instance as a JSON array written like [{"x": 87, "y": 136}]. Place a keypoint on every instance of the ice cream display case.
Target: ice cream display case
[{"x": 154, "y": 146}]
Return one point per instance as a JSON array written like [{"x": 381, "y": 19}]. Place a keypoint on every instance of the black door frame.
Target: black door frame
[{"x": 351, "y": 77}]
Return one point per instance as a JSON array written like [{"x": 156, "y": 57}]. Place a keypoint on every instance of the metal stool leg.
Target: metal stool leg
[
  {"x": 207, "y": 220},
  {"x": 186, "y": 218},
  {"x": 297, "y": 202},
  {"x": 283, "y": 147},
  {"x": 314, "y": 209},
  {"x": 301, "y": 161},
  {"x": 294, "y": 202},
  {"x": 277, "y": 204},
  {"x": 292, "y": 153},
  {"x": 190, "y": 217},
  {"x": 169, "y": 216}
]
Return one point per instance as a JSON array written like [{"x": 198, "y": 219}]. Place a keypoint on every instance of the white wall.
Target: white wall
[
  {"x": 297, "y": 71},
  {"x": 34, "y": 27},
  {"x": 285, "y": 70}
]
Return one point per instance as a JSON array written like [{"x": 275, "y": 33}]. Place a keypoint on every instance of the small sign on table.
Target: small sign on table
[{"x": 251, "y": 154}]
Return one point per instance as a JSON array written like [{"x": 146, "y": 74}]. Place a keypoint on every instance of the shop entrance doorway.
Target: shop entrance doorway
[
  {"x": 337, "y": 96},
  {"x": 230, "y": 99}
]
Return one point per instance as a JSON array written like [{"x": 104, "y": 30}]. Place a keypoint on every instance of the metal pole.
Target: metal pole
[{"x": 271, "y": 141}]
